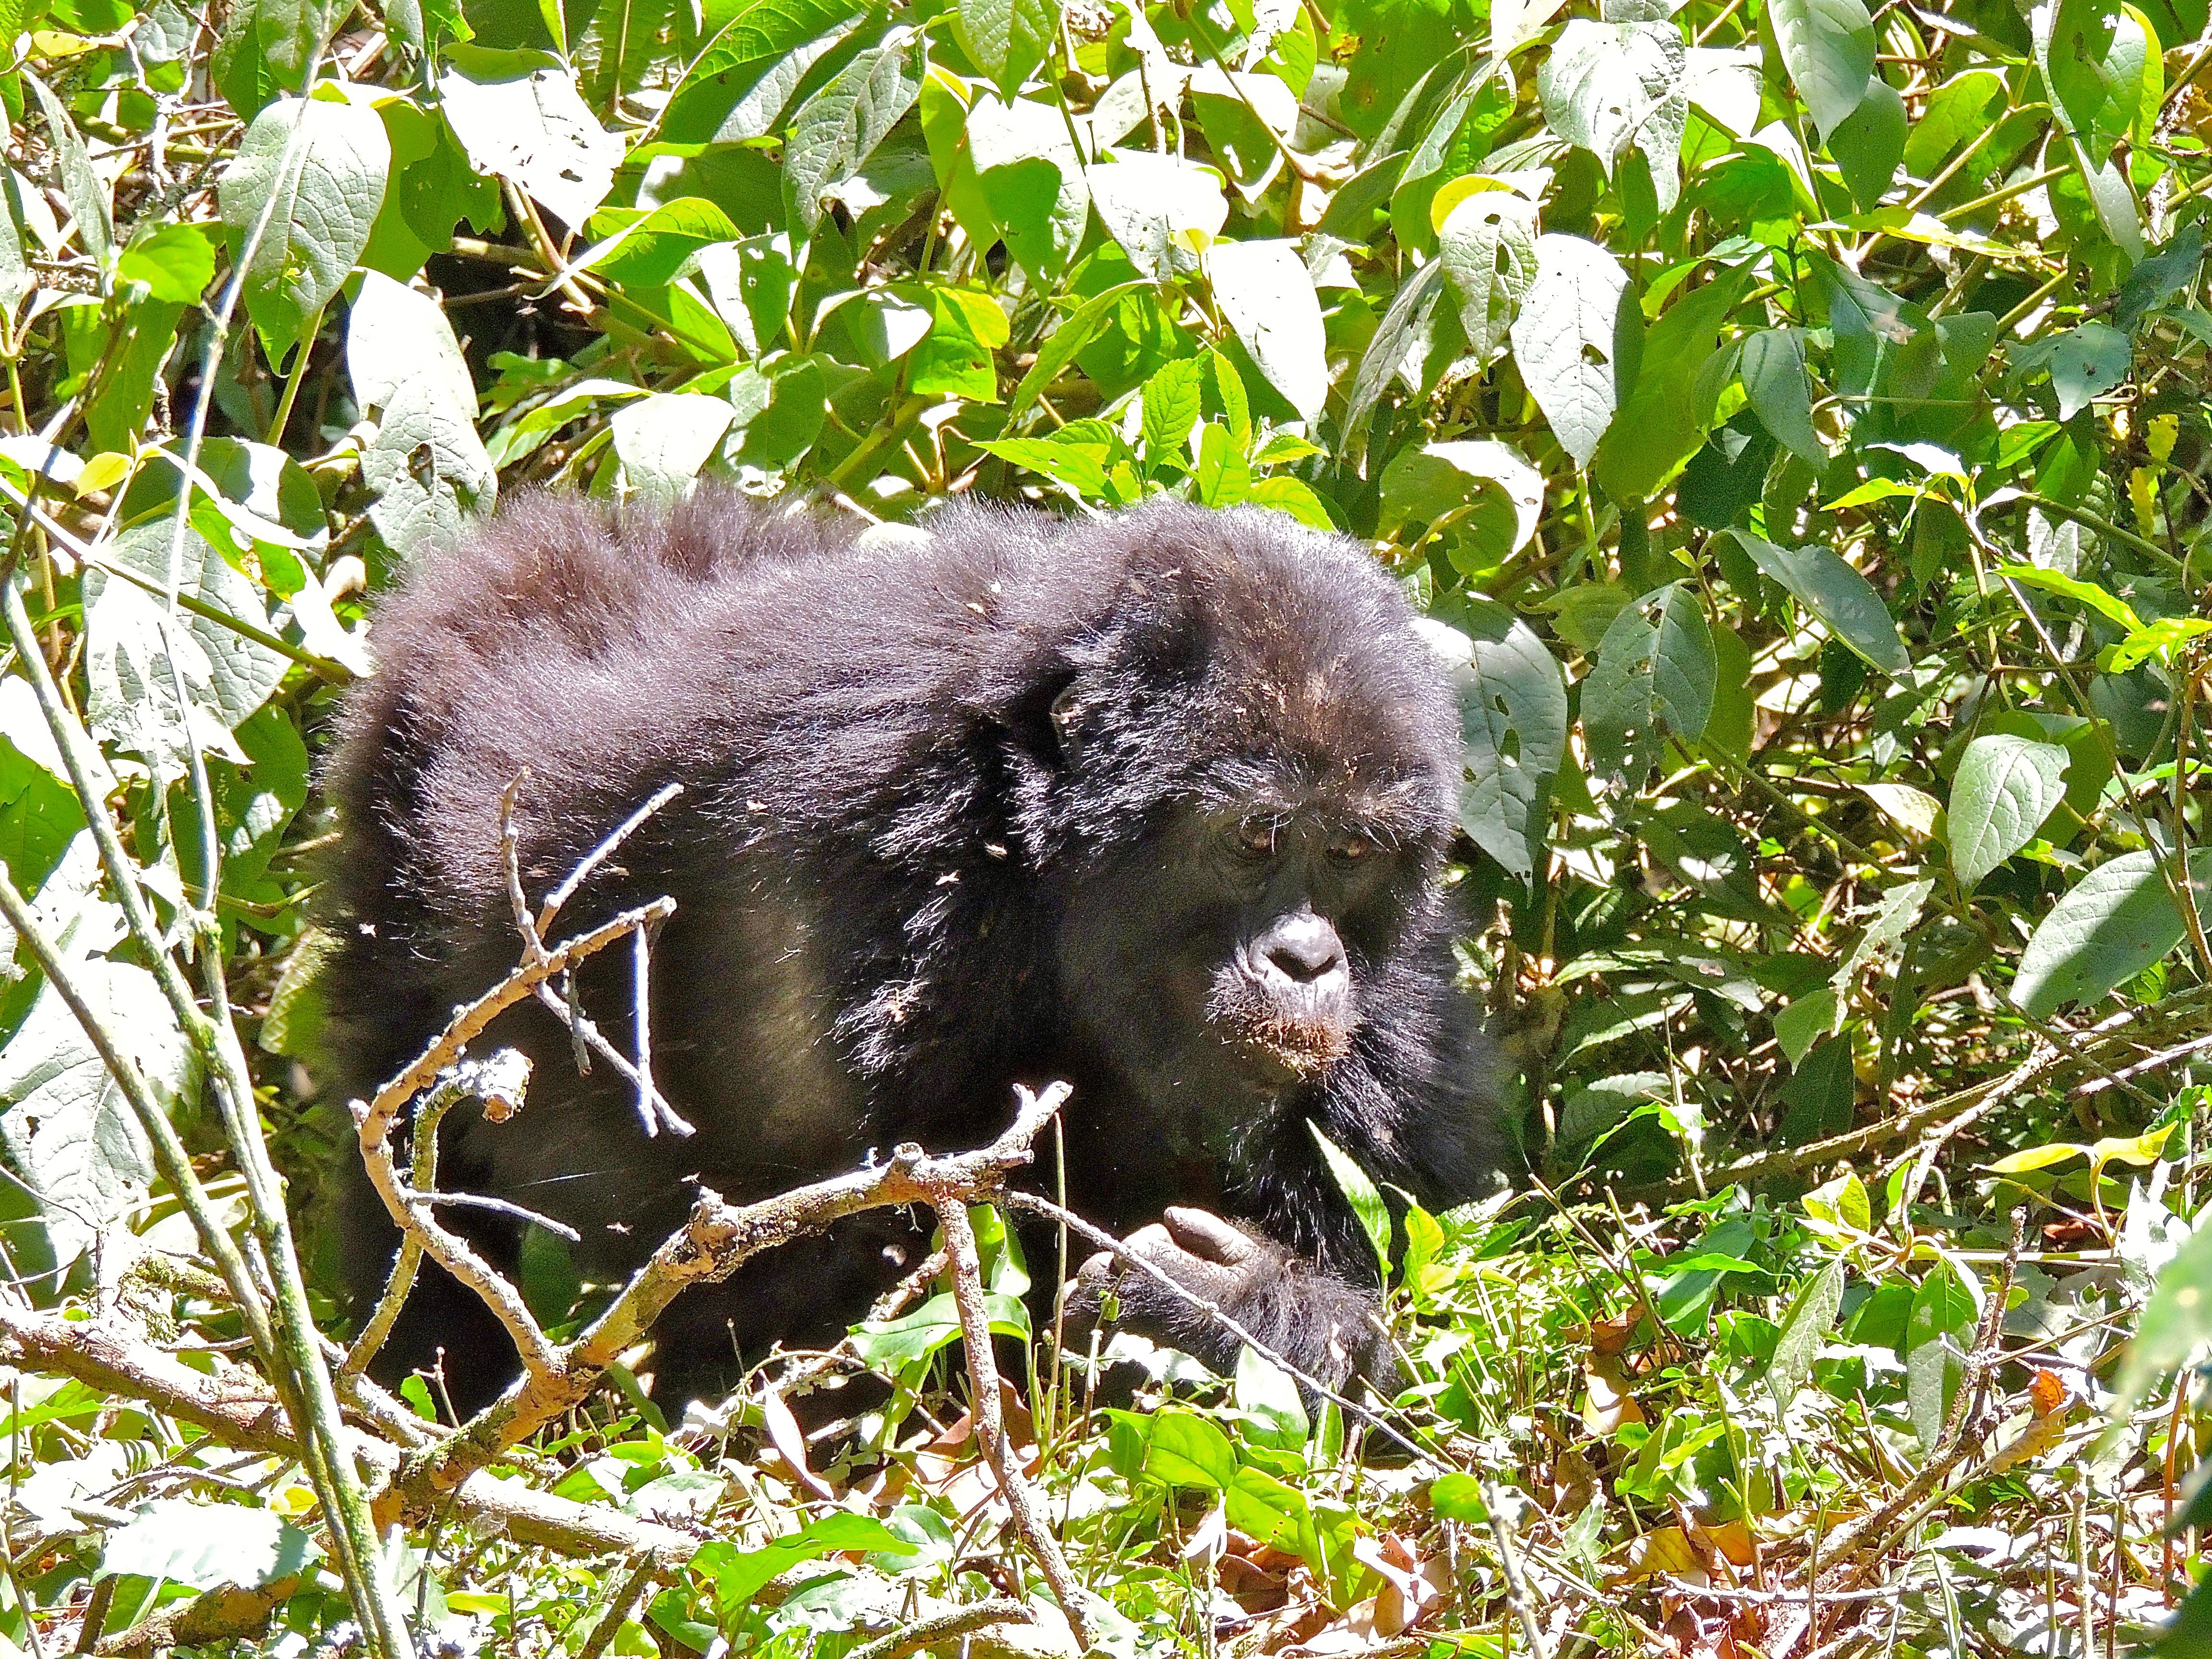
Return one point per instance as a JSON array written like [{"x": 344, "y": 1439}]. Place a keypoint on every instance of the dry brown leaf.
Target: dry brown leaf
[
  {"x": 790, "y": 1443},
  {"x": 1663, "y": 1550},
  {"x": 1608, "y": 1405}
]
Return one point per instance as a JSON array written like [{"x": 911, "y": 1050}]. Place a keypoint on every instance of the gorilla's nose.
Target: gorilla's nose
[{"x": 1302, "y": 948}]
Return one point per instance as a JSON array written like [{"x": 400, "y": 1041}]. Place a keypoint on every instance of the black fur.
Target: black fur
[{"x": 951, "y": 818}]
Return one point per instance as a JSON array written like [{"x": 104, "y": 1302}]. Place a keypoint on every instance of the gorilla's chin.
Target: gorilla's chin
[{"x": 1280, "y": 1038}]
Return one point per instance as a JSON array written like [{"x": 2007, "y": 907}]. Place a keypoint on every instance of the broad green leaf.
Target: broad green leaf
[
  {"x": 2161, "y": 638},
  {"x": 1668, "y": 402},
  {"x": 1076, "y": 330},
  {"x": 1007, "y": 39},
  {"x": 1292, "y": 496},
  {"x": 2117, "y": 920},
  {"x": 2031, "y": 1158},
  {"x": 430, "y": 469},
  {"x": 241, "y": 672},
  {"x": 1270, "y": 1395},
  {"x": 176, "y": 263},
  {"x": 326, "y": 188},
  {"x": 1828, "y": 45},
  {"x": 662, "y": 441},
  {"x": 66, "y": 1132},
  {"x": 955, "y": 359},
  {"x": 1772, "y": 364},
  {"x": 396, "y": 334},
  {"x": 1480, "y": 484},
  {"x": 1487, "y": 242},
  {"x": 1958, "y": 111},
  {"x": 1267, "y": 299},
  {"x": 779, "y": 414},
  {"x": 1806, "y": 1330},
  {"x": 1805, "y": 1022},
  {"x": 1402, "y": 333},
  {"x": 1563, "y": 339},
  {"x": 1459, "y": 1497},
  {"x": 2056, "y": 581},
  {"x": 2175, "y": 1325},
  {"x": 1513, "y": 721},
  {"x": 739, "y": 1574},
  {"x": 1242, "y": 117},
  {"x": 839, "y": 128},
  {"x": 1080, "y": 467},
  {"x": 750, "y": 284},
  {"x": 1360, "y": 1192},
  {"x": 521, "y": 116},
  {"x": 1183, "y": 1450},
  {"x": 1941, "y": 1324},
  {"x": 1870, "y": 142},
  {"x": 1161, "y": 209},
  {"x": 736, "y": 87},
  {"x": 1608, "y": 85},
  {"x": 206, "y": 1545},
  {"x": 1031, "y": 178},
  {"x": 1835, "y": 592},
  {"x": 1172, "y": 399},
  {"x": 1655, "y": 675},
  {"x": 2005, "y": 787},
  {"x": 82, "y": 187},
  {"x": 661, "y": 246},
  {"x": 2085, "y": 364},
  {"x": 2093, "y": 56},
  {"x": 897, "y": 1343}
]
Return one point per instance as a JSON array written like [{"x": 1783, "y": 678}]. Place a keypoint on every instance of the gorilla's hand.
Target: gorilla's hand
[{"x": 1321, "y": 1324}]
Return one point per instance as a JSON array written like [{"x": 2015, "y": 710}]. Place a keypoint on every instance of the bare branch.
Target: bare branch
[{"x": 598, "y": 855}]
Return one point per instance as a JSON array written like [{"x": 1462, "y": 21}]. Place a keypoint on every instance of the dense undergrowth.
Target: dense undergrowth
[{"x": 1794, "y": 418}]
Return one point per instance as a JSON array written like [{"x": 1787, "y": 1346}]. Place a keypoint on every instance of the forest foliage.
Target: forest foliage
[{"x": 1792, "y": 418}]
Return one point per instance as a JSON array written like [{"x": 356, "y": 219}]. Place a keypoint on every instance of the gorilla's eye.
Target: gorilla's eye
[
  {"x": 1254, "y": 837},
  {"x": 1349, "y": 849}
]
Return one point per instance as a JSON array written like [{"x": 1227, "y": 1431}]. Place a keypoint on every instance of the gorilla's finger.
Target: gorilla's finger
[{"x": 1206, "y": 1234}]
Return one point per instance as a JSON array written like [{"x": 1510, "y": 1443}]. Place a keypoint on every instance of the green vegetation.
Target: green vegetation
[{"x": 1794, "y": 418}]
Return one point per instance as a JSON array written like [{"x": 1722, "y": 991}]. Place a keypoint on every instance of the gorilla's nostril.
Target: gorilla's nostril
[{"x": 1303, "y": 949}]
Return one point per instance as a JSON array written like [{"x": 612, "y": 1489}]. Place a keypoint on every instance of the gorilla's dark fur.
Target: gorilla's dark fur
[{"x": 1156, "y": 803}]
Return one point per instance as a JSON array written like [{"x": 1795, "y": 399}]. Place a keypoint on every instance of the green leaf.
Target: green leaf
[
  {"x": 321, "y": 193},
  {"x": 2006, "y": 786},
  {"x": 2093, "y": 59},
  {"x": 1162, "y": 209},
  {"x": 1007, "y": 39},
  {"x": 1459, "y": 1497},
  {"x": 2162, "y": 638},
  {"x": 1267, "y": 299},
  {"x": 2117, "y": 920},
  {"x": 1080, "y": 467},
  {"x": 1772, "y": 364},
  {"x": 1650, "y": 674},
  {"x": 177, "y": 263},
  {"x": 1942, "y": 1318},
  {"x": 1828, "y": 45},
  {"x": 521, "y": 116},
  {"x": 430, "y": 469},
  {"x": 750, "y": 284},
  {"x": 736, "y": 87},
  {"x": 1870, "y": 144},
  {"x": 1513, "y": 720},
  {"x": 1360, "y": 1192},
  {"x": 1172, "y": 399},
  {"x": 1292, "y": 496},
  {"x": 897, "y": 1343},
  {"x": 1487, "y": 241},
  {"x": 839, "y": 128},
  {"x": 1075, "y": 331},
  {"x": 1805, "y": 1022},
  {"x": 663, "y": 245},
  {"x": 2056, "y": 581},
  {"x": 1806, "y": 1330},
  {"x": 1958, "y": 111},
  {"x": 1480, "y": 484},
  {"x": 2175, "y": 1324},
  {"x": 1667, "y": 404},
  {"x": 2085, "y": 364},
  {"x": 1563, "y": 339},
  {"x": 67, "y": 1134},
  {"x": 1269, "y": 1396},
  {"x": 1031, "y": 178},
  {"x": 1607, "y": 85},
  {"x": 1183, "y": 1450},
  {"x": 739, "y": 1574},
  {"x": 955, "y": 358},
  {"x": 206, "y": 1545},
  {"x": 88, "y": 197},
  {"x": 1832, "y": 591},
  {"x": 662, "y": 440}
]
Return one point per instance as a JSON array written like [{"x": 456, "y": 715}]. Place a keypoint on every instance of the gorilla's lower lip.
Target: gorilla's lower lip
[{"x": 1299, "y": 1048}]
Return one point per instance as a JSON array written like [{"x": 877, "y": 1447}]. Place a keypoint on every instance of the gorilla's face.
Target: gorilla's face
[{"x": 1224, "y": 956}]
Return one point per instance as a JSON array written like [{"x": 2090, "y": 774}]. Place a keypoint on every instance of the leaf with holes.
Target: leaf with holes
[
  {"x": 1563, "y": 339},
  {"x": 325, "y": 187},
  {"x": 1488, "y": 241},
  {"x": 1656, "y": 674}
]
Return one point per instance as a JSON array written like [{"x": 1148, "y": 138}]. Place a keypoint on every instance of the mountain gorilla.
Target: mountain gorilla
[{"x": 1157, "y": 803}]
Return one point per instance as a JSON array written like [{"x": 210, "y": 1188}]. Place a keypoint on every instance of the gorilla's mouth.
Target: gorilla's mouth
[{"x": 1298, "y": 1032}]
